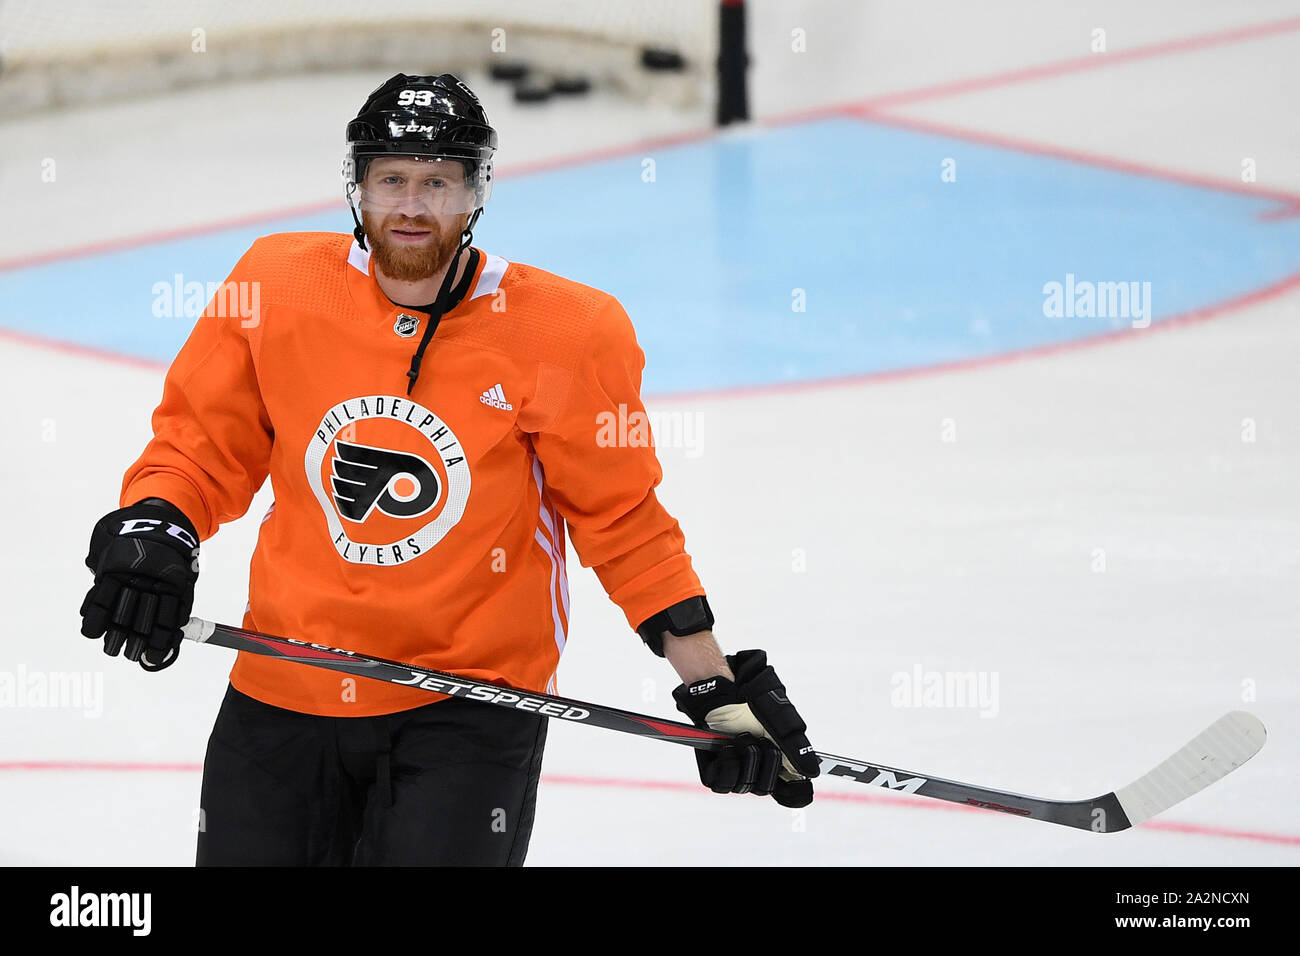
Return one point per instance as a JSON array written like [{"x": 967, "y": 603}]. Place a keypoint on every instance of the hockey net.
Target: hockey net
[{"x": 56, "y": 53}]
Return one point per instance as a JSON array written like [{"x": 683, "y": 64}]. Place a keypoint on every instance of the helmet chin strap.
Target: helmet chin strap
[
  {"x": 440, "y": 304},
  {"x": 359, "y": 233}
]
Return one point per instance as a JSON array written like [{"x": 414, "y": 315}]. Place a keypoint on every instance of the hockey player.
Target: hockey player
[{"x": 428, "y": 414}]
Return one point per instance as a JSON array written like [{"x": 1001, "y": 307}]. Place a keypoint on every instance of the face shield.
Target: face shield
[{"x": 415, "y": 186}]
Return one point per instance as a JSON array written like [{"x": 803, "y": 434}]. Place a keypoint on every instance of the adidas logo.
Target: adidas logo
[{"x": 496, "y": 398}]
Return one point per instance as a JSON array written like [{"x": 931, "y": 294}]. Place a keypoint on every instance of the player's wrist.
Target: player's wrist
[{"x": 685, "y": 618}]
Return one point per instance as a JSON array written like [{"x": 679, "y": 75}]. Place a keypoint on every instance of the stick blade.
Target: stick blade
[{"x": 1214, "y": 753}]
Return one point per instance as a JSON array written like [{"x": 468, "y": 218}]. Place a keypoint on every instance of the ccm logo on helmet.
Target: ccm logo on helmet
[{"x": 411, "y": 127}]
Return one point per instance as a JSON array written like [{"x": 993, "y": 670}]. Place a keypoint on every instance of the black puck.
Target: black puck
[
  {"x": 570, "y": 85},
  {"x": 662, "y": 58},
  {"x": 508, "y": 71},
  {"x": 529, "y": 91}
]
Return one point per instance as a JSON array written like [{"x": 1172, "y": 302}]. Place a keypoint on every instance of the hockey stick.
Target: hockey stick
[{"x": 1221, "y": 748}]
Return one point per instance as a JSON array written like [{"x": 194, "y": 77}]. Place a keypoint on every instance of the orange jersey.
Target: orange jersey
[{"x": 426, "y": 528}]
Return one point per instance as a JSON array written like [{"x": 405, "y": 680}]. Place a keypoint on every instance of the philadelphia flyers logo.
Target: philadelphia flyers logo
[
  {"x": 390, "y": 476},
  {"x": 366, "y": 478}
]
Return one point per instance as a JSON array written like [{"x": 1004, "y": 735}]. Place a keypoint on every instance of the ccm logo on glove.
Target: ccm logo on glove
[
  {"x": 139, "y": 525},
  {"x": 771, "y": 754},
  {"x": 145, "y": 561}
]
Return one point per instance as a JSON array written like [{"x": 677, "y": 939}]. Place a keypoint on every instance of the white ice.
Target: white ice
[{"x": 977, "y": 554}]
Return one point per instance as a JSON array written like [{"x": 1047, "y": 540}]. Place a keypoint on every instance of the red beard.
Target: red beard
[{"x": 409, "y": 263}]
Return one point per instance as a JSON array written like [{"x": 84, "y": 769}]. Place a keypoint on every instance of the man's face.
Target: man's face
[{"x": 413, "y": 212}]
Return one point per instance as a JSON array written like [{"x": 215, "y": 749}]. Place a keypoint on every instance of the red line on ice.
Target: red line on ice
[
  {"x": 325, "y": 205},
  {"x": 1090, "y": 61},
  {"x": 110, "y": 765},
  {"x": 1212, "y": 311},
  {"x": 868, "y": 109},
  {"x": 568, "y": 780},
  {"x": 880, "y": 101},
  {"x": 81, "y": 351},
  {"x": 1290, "y": 202}
]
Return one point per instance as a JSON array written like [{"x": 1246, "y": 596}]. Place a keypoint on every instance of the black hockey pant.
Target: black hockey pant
[{"x": 451, "y": 783}]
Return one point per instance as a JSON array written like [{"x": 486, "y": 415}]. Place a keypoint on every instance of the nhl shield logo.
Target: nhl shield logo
[{"x": 406, "y": 325}]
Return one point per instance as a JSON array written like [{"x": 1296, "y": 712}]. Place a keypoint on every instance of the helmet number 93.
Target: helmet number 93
[{"x": 415, "y": 98}]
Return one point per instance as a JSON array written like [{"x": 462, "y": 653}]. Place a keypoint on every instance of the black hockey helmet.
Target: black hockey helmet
[{"x": 426, "y": 117}]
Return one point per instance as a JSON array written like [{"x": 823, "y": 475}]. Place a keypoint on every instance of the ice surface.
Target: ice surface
[{"x": 982, "y": 553}]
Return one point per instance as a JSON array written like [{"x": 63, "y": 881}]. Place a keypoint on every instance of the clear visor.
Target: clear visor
[{"x": 430, "y": 187}]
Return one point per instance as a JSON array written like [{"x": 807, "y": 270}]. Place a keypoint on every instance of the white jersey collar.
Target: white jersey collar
[{"x": 489, "y": 277}]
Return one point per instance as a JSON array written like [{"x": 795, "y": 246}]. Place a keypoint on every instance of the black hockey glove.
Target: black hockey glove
[
  {"x": 772, "y": 755},
  {"x": 146, "y": 560}
]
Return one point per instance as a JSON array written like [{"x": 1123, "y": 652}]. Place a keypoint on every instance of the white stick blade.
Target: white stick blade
[{"x": 1215, "y": 752}]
